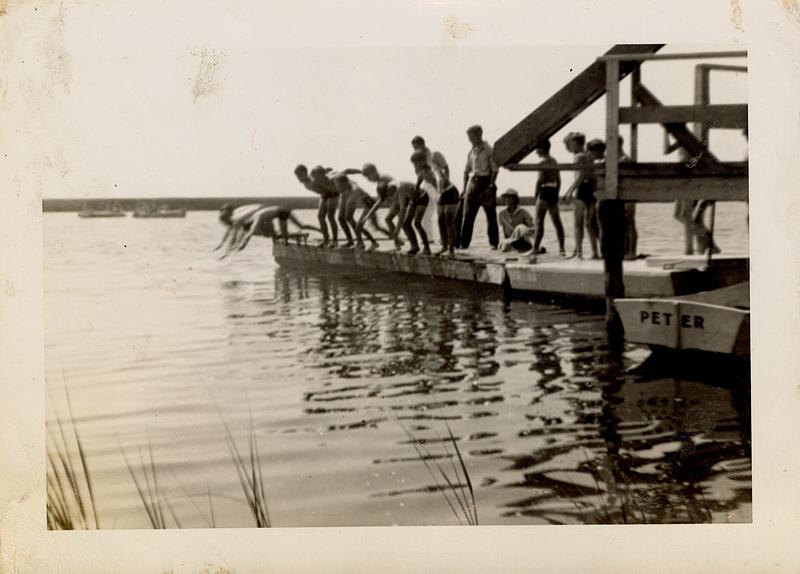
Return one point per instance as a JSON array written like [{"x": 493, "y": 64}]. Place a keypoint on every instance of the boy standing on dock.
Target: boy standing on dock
[
  {"x": 584, "y": 189},
  {"x": 353, "y": 197},
  {"x": 480, "y": 190},
  {"x": 546, "y": 197},
  {"x": 389, "y": 192},
  {"x": 413, "y": 207},
  {"x": 437, "y": 163},
  {"x": 328, "y": 198},
  {"x": 435, "y": 179}
]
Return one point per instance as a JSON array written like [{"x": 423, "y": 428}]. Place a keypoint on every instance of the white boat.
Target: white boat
[{"x": 716, "y": 321}]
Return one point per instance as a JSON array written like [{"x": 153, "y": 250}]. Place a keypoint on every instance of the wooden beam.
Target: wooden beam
[
  {"x": 719, "y": 116},
  {"x": 671, "y": 189},
  {"x": 654, "y": 169},
  {"x": 723, "y": 67},
  {"x": 558, "y": 110},
  {"x": 644, "y": 56},
  {"x": 662, "y": 169},
  {"x": 678, "y": 130},
  {"x": 540, "y": 167}
]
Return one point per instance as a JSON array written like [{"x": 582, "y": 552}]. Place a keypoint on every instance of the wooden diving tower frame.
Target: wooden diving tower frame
[{"x": 702, "y": 177}]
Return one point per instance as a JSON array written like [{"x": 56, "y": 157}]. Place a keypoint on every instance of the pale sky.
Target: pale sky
[{"x": 167, "y": 101}]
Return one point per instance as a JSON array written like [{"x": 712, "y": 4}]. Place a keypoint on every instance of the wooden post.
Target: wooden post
[
  {"x": 612, "y": 128},
  {"x": 611, "y": 211},
  {"x": 701, "y": 98},
  {"x": 636, "y": 79}
]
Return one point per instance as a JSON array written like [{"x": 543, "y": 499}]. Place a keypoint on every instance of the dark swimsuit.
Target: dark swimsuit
[
  {"x": 449, "y": 196},
  {"x": 549, "y": 194},
  {"x": 422, "y": 200},
  {"x": 586, "y": 192}
]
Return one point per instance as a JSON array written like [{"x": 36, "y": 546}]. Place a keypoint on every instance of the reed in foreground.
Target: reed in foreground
[
  {"x": 456, "y": 488},
  {"x": 70, "y": 495},
  {"x": 248, "y": 470}
]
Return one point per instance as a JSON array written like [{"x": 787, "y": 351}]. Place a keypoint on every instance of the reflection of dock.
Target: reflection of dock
[{"x": 551, "y": 276}]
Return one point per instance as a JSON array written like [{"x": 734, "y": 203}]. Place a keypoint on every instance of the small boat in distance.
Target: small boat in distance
[
  {"x": 161, "y": 211},
  {"x": 114, "y": 211}
]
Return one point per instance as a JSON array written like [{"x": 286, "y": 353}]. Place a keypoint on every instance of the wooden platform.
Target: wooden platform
[{"x": 552, "y": 275}]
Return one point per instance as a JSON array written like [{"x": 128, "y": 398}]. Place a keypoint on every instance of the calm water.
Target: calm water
[{"x": 161, "y": 345}]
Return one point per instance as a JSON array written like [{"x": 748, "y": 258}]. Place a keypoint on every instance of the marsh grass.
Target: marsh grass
[
  {"x": 454, "y": 484},
  {"x": 146, "y": 483},
  {"x": 70, "y": 495},
  {"x": 248, "y": 470}
]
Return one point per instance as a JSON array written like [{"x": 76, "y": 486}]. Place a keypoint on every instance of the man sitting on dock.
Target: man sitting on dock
[
  {"x": 517, "y": 224},
  {"x": 249, "y": 220}
]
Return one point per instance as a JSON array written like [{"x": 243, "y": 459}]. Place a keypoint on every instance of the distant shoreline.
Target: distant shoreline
[{"x": 187, "y": 203}]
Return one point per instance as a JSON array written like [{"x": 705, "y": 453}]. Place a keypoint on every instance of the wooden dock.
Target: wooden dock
[{"x": 551, "y": 276}]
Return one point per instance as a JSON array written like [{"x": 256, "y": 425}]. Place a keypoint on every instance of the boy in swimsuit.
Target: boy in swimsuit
[
  {"x": 353, "y": 197},
  {"x": 584, "y": 191},
  {"x": 319, "y": 183},
  {"x": 438, "y": 163},
  {"x": 546, "y": 198},
  {"x": 435, "y": 180},
  {"x": 251, "y": 220},
  {"x": 389, "y": 192},
  {"x": 417, "y": 203}
]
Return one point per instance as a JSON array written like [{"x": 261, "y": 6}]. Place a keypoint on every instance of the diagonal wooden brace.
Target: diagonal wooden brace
[{"x": 687, "y": 140}]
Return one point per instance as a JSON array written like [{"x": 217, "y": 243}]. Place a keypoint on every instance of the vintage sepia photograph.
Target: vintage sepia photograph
[
  {"x": 424, "y": 286},
  {"x": 435, "y": 303}
]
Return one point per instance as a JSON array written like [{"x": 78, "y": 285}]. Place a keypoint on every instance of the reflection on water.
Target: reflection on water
[
  {"x": 328, "y": 371},
  {"x": 575, "y": 437}
]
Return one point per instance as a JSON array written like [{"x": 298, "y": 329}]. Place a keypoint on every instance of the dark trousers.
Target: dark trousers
[
  {"x": 459, "y": 220},
  {"x": 480, "y": 193}
]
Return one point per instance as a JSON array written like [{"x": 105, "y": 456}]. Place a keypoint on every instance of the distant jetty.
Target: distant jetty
[{"x": 188, "y": 203}]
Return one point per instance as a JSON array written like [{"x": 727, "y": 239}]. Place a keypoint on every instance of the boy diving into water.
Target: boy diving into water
[{"x": 248, "y": 220}]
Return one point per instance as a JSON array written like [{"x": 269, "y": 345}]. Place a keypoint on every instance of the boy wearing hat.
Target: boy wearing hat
[{"x": 516, "y": 222}]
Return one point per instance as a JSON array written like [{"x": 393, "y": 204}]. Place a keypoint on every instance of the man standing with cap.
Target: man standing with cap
[
  {"x": 516, "y": 222},
  {"x": 480, "y": 175}
]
